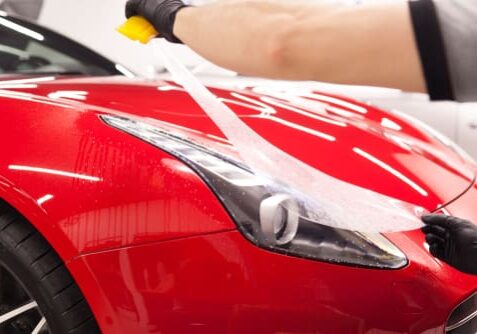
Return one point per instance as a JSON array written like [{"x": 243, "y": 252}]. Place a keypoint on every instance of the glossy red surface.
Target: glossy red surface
[
  {"x": 221, "y": 283},
  {"x": 153, "y": 249},
  {"x": 326, "y": 137}
]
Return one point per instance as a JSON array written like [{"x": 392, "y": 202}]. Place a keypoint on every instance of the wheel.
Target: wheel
[{"x": 37, "y": 293}]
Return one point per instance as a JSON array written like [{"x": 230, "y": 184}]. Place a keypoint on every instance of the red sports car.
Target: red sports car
[{"x": 123, "y": 209}]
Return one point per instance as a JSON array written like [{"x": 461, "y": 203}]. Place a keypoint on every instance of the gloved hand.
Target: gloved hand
[
  {"x": 453, "y": 241},
  {"x": 160, "y": 13}
]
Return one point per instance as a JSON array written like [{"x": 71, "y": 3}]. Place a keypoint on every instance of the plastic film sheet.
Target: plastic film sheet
[{"x": 316, "y": 196}]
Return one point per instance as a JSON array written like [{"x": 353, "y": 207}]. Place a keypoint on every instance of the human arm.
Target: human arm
[
  {"x": 421, "y": 45},
  {"x": 367, "y": 44}
]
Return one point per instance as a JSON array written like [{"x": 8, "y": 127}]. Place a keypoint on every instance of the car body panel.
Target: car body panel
[
  {"x": 315, "y": 134},
  {"x": 221, "y": 283},
  {"x": 152, "y": 248},
  {"x": 97, "y": 177}
]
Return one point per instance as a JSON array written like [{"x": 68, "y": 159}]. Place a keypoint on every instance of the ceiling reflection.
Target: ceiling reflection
[
  {"x": 44, "y": 199},
  {"x": 268, "y": 112},
  {"x": 329, "y": 99},
  {"x": 54, "y": 172},
  {"x": 26, "y": 81},
  {"x": 29, "y": 97},
  {"x": 297, "y": 127},
  {"x": 79, "y": 95},
  {"x": 302, "y": 112},
  {"x": 391, "y": 170},
  {"x": 21, "y": 29},
  {"x": 390, "y": 124}
]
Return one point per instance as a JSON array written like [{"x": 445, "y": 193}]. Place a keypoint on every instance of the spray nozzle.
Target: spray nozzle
[{"x": 139, "y": 29}]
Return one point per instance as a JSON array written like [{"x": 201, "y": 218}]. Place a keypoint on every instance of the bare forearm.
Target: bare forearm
[
  {"x": 366, "y": 45},
  {"x": 369, "y": 44},
  {"x": 237, "y": 35}
]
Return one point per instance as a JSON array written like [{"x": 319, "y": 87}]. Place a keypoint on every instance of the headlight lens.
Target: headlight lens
[{"x": 268, "y": 218}]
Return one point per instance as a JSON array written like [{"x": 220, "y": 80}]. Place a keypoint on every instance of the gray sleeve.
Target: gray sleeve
[{"x": 458, "y": 22}]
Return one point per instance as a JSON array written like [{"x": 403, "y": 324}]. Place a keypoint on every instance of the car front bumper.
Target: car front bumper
[{"x": 220, "y": 283}]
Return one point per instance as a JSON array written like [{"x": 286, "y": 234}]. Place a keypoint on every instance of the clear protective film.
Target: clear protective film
[{"x": 303, "y": 191}]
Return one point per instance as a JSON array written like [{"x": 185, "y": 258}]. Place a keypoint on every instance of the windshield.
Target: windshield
[{"x": 27, "y": 48}]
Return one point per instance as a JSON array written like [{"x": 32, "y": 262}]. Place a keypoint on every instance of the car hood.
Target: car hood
[{"x": 352, "y": 141}]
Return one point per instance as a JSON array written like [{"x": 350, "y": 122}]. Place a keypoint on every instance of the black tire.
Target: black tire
[{"x": 28, "y": 259}]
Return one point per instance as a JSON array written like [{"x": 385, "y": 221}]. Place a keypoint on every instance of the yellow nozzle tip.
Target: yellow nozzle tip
[{"x": 139, "y": 29}]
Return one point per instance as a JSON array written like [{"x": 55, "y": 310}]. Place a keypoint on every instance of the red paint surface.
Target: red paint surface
[{"x": 153, "y": 249}]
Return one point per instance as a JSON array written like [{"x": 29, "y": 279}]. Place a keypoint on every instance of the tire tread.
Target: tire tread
[{"x": 71, "y": 310}]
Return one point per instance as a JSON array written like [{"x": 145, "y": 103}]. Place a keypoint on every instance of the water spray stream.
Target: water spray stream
[{"x": 322, "y": 198}]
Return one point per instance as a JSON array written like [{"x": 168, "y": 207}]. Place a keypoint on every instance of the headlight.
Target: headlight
[{"x": 269, "y": 218}]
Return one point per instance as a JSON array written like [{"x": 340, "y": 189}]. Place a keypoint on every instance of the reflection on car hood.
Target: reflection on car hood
[{"x": 346, "y": 139}]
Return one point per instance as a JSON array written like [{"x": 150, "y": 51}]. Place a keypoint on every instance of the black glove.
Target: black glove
[
  {"x": 453, "y": 241},
  {"x": 160, "y": 13}
]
